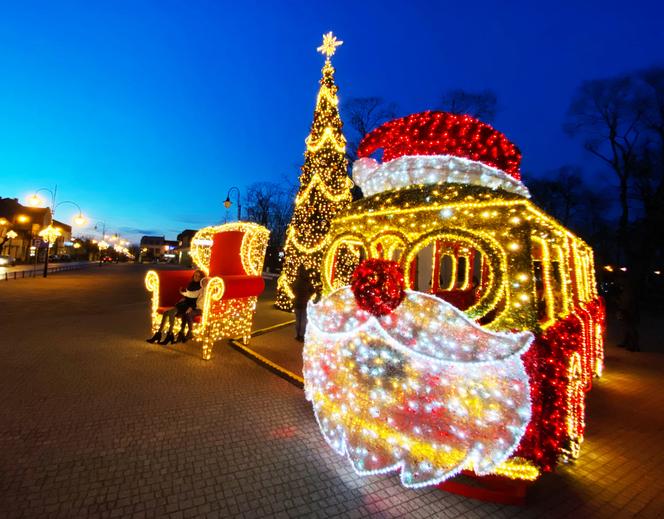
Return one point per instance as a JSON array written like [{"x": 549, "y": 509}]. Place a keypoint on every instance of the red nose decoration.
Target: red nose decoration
[{"x": 378, "y": 286}]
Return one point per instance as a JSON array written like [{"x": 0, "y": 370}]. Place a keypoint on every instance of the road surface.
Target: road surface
[{"x": 96, "y": 422}]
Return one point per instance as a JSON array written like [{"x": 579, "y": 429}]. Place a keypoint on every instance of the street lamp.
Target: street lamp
[
  {"x": 49, "y": 232},
  {"x": 103, "y": 237},
  {"x": 228, "y": 203},
  {"x": 9, "y": 236}
]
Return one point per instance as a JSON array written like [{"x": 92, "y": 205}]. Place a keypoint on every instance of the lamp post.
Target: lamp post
[
  {"x": 103, "y": 237},
  {"x": 50, "y": 232},
  {"x": 228, "y": 203}
]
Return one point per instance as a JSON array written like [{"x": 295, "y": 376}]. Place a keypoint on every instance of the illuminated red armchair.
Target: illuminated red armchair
[{"x": 231, "y": 256}]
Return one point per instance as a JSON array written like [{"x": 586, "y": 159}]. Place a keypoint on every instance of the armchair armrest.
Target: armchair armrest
[
  {"x": 166, "y": 284},
  {"x": 236, "y": 287}
]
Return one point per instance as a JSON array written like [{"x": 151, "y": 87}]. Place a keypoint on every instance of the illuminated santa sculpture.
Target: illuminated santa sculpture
[{"x": 471, "y": 328}]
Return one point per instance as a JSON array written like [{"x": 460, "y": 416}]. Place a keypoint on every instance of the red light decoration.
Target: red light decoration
[
  {"x": 550, "y": 432},
  {"x": 442, "y": 133},
  {"x": 378, "y": 286}
]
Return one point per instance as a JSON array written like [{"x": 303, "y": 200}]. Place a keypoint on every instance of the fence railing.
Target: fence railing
[{"x": 20, "y": 274}]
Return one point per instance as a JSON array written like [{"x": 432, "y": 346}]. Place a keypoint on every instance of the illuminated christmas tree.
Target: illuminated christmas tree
[{"x": 324, "y": 185}]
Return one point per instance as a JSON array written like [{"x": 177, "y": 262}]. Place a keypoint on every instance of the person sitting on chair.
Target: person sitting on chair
[
  {"x": 188, "y": 318},
  {"x": 189, "y": 302}
]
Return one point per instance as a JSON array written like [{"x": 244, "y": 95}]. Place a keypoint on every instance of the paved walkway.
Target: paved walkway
[{"x": 95, "y": 422}]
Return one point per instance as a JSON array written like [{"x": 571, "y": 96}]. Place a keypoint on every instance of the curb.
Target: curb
[{"x": 287, "y": 375}]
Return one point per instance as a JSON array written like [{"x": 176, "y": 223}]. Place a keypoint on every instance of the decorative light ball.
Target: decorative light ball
[{"x": 378, "y": 286}]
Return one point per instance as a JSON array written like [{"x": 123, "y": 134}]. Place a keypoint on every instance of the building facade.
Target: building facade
[{"x": 26, "y": 223}]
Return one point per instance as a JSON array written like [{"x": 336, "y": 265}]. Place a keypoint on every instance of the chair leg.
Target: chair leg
[{"x": 207, "y": 345}]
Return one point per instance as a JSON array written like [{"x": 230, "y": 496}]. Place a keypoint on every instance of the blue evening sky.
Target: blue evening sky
[{"x": 146, "y": 112}]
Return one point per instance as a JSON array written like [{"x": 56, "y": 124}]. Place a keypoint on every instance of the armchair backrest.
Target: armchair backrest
[
  {"x": 231, "y": 249},
  {"x": 170, "y": 285},
  {"x": 226, "y": 254}
]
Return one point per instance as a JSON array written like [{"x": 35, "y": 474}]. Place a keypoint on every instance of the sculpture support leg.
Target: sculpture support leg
[{"x": 207, "y": 344}]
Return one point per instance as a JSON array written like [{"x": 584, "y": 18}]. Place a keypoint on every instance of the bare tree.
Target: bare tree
[
  {"x": 606, "y": 113},
  {"x": 482, "y": 105},
  {"x": 271, "y": 205},
  {"x": 649, "y": 178},
  {"x": 363, "y": 114},
  {"x": 560, "y": 193},
  {"x": 622, "y": 120}
]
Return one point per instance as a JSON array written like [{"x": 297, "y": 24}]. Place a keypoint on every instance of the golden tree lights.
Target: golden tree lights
[
  {"x": 448, "y": 205},
  {"x": 324, "y": 186}
]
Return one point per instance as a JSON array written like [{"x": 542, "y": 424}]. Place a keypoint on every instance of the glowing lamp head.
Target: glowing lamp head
[
  {"x": 228, "y": 203},
  {"x": 80, "y": 220},
  {"x": 11, "y": 235},
  {"x": 35, "y": 200},
  {"x": 50, "y": 233},
  {"x": 21, "y": 218}
]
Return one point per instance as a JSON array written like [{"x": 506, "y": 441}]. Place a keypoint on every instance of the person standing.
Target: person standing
[{"x": 303, "y": 289}]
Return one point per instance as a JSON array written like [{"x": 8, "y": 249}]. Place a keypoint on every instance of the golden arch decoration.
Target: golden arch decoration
[
  {"x": 391, "y": 239},
  {"x": 328, "y": 258},
  {"x": 489, "y": 248}
]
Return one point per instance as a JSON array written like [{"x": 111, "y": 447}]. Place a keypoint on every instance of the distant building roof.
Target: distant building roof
[
  {"x": 152, "y": 240},
  {"x": 63, "y": 226},
  {"x": 10, "y": 208},
  {"x": 187, "y": 232}
]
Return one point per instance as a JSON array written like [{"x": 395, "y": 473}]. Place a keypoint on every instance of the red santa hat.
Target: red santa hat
[{"x": 435, "y": 147}]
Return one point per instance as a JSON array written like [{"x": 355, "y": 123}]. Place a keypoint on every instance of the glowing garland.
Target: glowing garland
[
  {"x": 502, "y": 219},
  {"x": 328, "y": 137},
  {"x": 350, "y": 365},
  {"x": 252, "y": 250},
  {"x": 373, "y": 177},
  {"x": 324, "y": 188}
]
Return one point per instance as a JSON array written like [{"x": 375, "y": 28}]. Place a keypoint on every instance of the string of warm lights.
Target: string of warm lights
[
  {"x": 441, "y": 133},
  {"x": 324, "y": 188},
  {"x": 455, "y": 398},
  {"x": 374, "y": 177},
  {"x": 223, "y": 315},
  {"x": 387, "y": 387}
]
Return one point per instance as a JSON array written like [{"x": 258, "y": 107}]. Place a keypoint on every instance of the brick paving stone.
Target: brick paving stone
[{"x": 95, "y": 422}]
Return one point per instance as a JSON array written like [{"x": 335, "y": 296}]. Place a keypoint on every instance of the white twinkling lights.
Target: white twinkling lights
[
  {"x": 423, "y": 389},
  {"x": 374, "y": 178}
]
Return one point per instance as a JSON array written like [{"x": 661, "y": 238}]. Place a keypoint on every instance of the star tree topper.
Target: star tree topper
[{"x": 329, "y": 46}]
